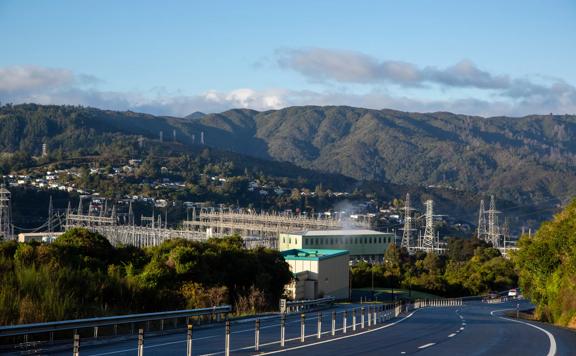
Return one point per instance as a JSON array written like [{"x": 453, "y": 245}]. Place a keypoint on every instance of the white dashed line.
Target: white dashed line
[
  {"x": 427, "y": 345},
  {"x": 452, "y": 335},
  {"x": 552, "y": 350}
]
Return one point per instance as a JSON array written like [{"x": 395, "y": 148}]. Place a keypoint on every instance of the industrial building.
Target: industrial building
[
  {"x": 318, "y": 273},
  {"x": 367, "y": 245}
]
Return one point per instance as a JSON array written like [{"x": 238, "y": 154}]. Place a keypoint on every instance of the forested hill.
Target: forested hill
[
  {"x": 526, "y": 160},
  {"x": 522, "y": 159}
]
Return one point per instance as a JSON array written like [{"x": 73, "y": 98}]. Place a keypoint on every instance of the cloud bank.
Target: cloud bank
[{"x": 507, "y": 95}]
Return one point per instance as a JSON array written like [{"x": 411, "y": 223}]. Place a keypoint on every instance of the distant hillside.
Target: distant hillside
[
  {"x": 525, "y": 159},
  {"x": 522, "y": 160}
]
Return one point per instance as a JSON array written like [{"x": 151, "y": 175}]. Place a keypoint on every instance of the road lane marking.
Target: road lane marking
[
  {"x": 452, "y": 335},
  {"x": 462, "y": 328},
  {"x": 552, "y": 350},
  {"x": 427, "y": 345}
]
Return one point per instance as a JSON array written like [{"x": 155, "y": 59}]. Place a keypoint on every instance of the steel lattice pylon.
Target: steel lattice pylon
[
  {"x": 428, "y": 238},
  {"x": 406, "y": 233},
  {"x": 481, "y": 221},
  {"x": 493, "y": 230},
  {"x": 6, "y": 227}
]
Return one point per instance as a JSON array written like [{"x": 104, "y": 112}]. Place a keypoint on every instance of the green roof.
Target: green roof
[{"x": 312, "y": 254}]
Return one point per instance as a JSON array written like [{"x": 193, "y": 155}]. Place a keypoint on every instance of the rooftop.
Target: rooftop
[
  {"x": 311, "y": 233},
  {"x": 312, "y": 254}
]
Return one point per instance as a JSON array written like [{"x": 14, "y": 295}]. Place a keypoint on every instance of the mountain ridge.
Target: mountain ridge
[{"x": 525, "y": 160}]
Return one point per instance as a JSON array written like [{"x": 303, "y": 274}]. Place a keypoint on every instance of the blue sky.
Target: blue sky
[{"x": 175, "y": 57}]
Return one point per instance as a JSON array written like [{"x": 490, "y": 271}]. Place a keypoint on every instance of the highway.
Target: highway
[{"x": 472, "y": 329}]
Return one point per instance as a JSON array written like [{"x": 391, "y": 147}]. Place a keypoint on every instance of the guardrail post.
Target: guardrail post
[
  {"x": 344, "y": 321},
  {"x": 162, "y": 326},
  {"x": 189, "y": 341},
  {"x": 302, "y": 327},
  {"x": 140, "y": 342},
  {"x": 96, "y": 332},
  {"x": 319, "y": 325},
  {"x": 333, "y": 323},
  {"x": 374, "y": 314},
  {"x": 76, "y": 348},
  {"x": 363, "y": 311},
  {"x": 353, "y": 319},
  {"x": 257, "y": 336},
  {"x": 227, "y": 340},
  {"x": 51, "y": 337},
  {"x": 115, "y": 329},
  {"x": 282, "y": 329},
  {"x": 369, "y": 315}
]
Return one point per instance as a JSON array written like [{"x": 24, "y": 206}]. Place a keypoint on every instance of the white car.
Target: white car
[{"x": 513, "y": 293}]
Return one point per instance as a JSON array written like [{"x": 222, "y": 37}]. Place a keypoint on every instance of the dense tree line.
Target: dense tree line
[
  {"x": 82, "y": 275},
  {"x": 470, "y": 267},
  {"x": 547, "y": 268}
]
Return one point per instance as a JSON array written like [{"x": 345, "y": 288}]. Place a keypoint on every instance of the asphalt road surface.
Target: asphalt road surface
[{"x": 472, "y": 329}]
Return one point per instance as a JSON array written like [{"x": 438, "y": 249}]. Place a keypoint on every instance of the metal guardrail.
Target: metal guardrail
[
  {"x": 25, "y": 329},
  {"x": 302, "y": 305}
]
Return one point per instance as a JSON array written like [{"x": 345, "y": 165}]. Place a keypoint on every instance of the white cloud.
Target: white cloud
[
  {"x": 521, "y": 96},
  {"x": 24, "y": 78},
  {"x": 355, "y": 67}
]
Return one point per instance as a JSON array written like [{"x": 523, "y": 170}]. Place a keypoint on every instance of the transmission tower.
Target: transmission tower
[
  {"x": 6, "y": 227},
  {"x": 80, "y": 208},
  {"x": 50, "y": 215},
  {"x": 481, "y": 221},
  {"x": 130, "y": 215},
  {"x": 505, "y": 232},
  {"x": 428, "y": 239},
  {"x": 493, "y": 233},
  {"x": 406, "y": 233}
]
